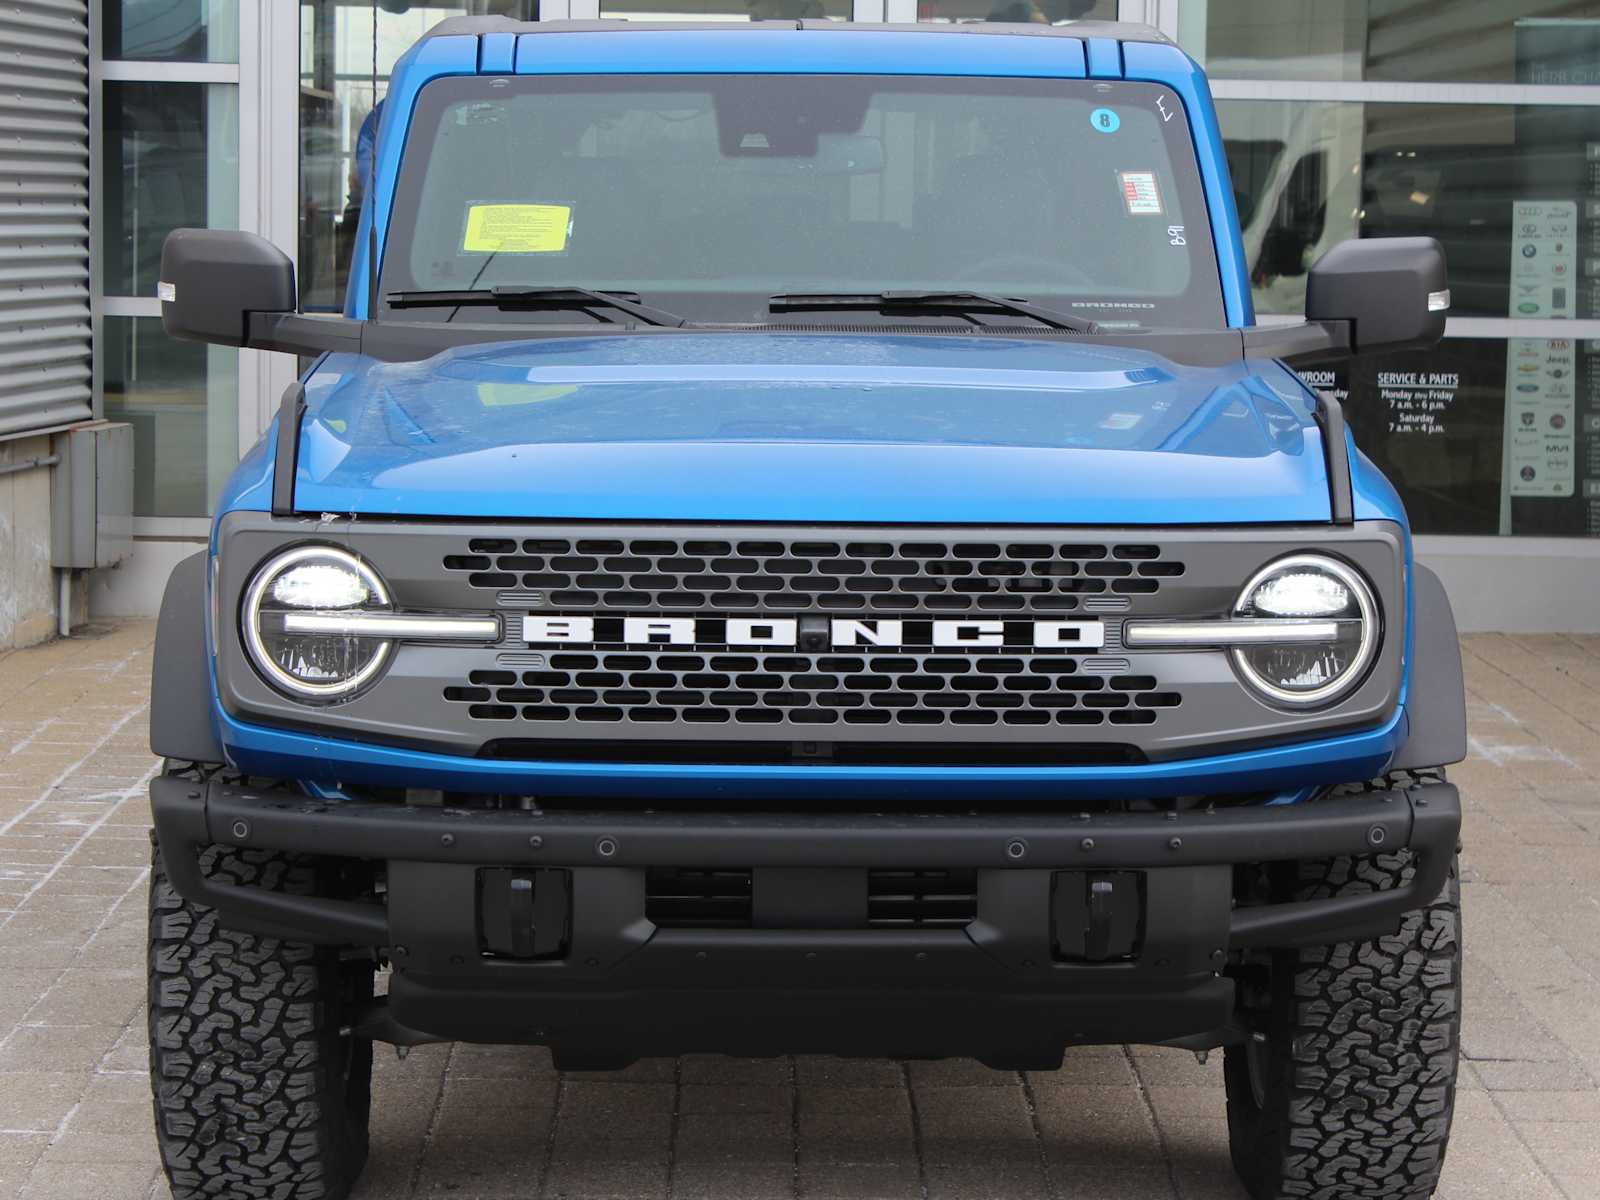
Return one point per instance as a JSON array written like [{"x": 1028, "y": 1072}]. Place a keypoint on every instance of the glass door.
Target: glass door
[{"x": 169, "y": 137}]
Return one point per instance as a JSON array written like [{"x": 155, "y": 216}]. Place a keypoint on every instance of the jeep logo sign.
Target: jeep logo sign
[{"x": 811, "y": 633}]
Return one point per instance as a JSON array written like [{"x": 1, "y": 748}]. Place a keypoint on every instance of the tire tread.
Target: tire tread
[
  {"x": 247, "y": 1068},
  {"x": 1360, "y": 1107}
]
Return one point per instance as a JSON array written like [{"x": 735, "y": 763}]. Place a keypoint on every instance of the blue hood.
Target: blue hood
[{"x": 784, "y": 427}]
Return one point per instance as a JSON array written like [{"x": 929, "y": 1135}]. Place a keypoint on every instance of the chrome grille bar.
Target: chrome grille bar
[
  {"x": 394, "y": 625},
  {"x": 1242, "y": 632}
]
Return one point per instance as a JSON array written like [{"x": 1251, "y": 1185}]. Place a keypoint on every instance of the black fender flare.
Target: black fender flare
[
  {"x": 181, "y": 723},
  {"x": 1436, "y": 701}
]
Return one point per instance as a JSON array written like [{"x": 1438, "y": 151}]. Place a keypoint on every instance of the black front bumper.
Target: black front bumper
[{"x": 619, "y": 986}]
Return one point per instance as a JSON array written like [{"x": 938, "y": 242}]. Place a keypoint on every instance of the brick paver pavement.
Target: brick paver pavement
[{"x": 470, "y": 1121}]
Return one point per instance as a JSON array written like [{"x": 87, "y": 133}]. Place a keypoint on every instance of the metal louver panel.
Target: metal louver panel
[{"x": 44, "y": 214}]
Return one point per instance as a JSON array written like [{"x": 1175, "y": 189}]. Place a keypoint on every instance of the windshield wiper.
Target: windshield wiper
[
  {"x": 930, "y": 302},
  {"x": 512, "y": 298}
]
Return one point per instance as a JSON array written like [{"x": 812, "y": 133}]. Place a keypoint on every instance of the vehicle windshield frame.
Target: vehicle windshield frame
[{"x": 1200, "y": 305}]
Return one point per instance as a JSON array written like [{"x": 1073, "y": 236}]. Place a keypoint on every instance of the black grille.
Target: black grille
[
  {"x": 889, "y": 689},
  {"x": 940, "y": 899},
  {"x": 697, "y": 898},
  {"x": 792, "y": 574},
  {"x": 721, "y": 898}
]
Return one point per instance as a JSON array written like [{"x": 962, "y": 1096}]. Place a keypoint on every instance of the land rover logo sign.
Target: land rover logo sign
[{"x": 810, "y": 633}]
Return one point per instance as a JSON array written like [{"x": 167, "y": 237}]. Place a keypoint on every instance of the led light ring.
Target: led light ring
[
  {"x": 1365, "y": 651},
  {"x": 252, "y": 624}
]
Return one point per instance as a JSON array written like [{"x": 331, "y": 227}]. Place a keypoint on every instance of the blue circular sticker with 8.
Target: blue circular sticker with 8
[{"x": 1104, "y": 120}]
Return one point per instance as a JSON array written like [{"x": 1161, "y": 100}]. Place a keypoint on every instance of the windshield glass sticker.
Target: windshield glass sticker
[
  {"x": 1161, "y": 105},
  {"x": 1103, "y": 120},
  {"x": 1140, "y": 193},
  {"x": 517, "y": 228}
]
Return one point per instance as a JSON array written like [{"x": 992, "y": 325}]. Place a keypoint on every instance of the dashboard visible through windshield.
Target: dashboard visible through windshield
[{"x": 744, "y": 198}]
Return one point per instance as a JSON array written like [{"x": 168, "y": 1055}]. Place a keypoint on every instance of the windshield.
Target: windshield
[{"x": 710, "y": 195}]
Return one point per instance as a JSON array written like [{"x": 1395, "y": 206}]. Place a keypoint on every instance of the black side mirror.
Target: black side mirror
[
  {"x": 212, "y": 280},
  {"x": 1392, "y": 291}
]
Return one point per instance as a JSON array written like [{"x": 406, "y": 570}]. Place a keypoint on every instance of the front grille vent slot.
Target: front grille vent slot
[
  {"x": 722, "y": 898},
  {"x": 885, "y": 689},
  {"x": 922, "y": 899},
  {"x": 779, "y": 575},
  {"x": 698, "y": 898}
]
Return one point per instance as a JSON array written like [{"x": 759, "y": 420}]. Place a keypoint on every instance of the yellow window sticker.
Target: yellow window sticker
[{"x": 517, "y": 228}]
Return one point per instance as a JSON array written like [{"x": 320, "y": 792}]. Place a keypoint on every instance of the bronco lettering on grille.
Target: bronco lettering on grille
[{"x": 570, "y": 630}]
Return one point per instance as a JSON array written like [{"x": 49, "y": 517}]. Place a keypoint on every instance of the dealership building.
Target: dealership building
[{"x": 1473, "y": 121}]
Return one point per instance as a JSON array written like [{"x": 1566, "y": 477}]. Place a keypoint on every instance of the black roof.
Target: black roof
[{"x": 1119, "y": 30}]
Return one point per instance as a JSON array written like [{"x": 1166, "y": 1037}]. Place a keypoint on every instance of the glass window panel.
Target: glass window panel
[
  {"x": 1037, "y": 12},
  {"x": 763, "y": 184},
  {"x": 726, "y": 10},
  {"x": 346, "y": 55},
  {"x": 171, "y": 160},
  {"x": 182, "y": 399},
  {"x": 171, "y": 30},
  {"x": 1513, "y": 193},
  {"x": 1405, "y": 41},
  {"x": 1482, "y": 436}
]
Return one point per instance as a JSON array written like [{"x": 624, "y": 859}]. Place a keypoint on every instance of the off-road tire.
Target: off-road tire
[
  {"x": 1357, "y": 1076},
  {"x": 256, "y": 1093}
]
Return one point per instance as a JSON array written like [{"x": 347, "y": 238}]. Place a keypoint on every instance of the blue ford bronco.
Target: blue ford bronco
[{"x": 797, "y": 544}]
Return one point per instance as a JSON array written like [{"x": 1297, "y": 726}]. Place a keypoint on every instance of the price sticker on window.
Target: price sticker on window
[
  {"x": 1140, "y": 193},
  {"x": 517, "y": 228}
]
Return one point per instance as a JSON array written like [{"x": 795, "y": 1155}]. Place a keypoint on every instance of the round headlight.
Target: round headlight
[
  {"x": 313, "y": 580},
  {"x": 1309, "y": 589}
]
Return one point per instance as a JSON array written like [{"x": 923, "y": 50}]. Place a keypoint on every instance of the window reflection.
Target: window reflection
[
  {"x": 343, "y": 45},
  {"x": 1308, "y": 174},
  {"x": 171, "y": 160},
  {"x": 1482, "y": 436},
  {"x": 1406, "y": 41},
  {"x": 182, "y": 399},
  {"x": 1037, "y": 12},
  {"x": 171, "y": 30},
  {"x": 726, "y": 10}
]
